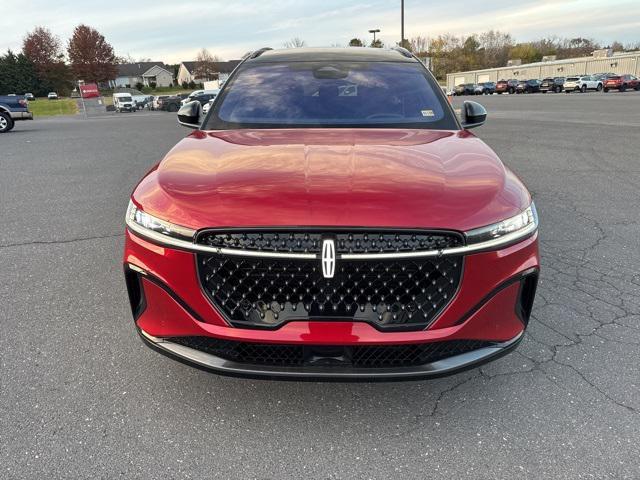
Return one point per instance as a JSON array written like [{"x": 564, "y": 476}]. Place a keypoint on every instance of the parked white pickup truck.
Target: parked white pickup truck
[{"x": 582, "y": 84}]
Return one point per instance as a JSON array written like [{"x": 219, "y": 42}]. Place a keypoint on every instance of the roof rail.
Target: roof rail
[
  {"x": 404, "y": 52},
  {"x": 257, "y": 53}
]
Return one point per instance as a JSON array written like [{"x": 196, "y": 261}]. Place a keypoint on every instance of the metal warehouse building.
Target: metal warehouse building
[{"x": 618, "y": 63}]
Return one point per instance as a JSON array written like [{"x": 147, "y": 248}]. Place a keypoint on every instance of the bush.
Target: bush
[
  {"x": 192, "y": 85},
  {"x": 153, "y": 85},
  {"x": 139, "y": 86},
  {"x": 185, "y": 85}
]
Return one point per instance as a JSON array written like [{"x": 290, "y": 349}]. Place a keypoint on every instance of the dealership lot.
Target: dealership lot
[{"x": 81, "y": 396}]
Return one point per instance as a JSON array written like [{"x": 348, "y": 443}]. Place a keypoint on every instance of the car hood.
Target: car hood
[{"x": 332, "y": 177}]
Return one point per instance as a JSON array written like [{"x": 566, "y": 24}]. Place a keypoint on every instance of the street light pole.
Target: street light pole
[{"x": 374, "y": 31}]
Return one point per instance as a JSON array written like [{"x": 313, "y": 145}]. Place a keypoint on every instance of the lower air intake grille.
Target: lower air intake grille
[
  {"x": 359, "y": 356},
  {"x": 395, "y": 294}
]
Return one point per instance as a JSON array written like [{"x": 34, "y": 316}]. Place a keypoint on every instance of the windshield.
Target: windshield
[
  {"x": 124, "y": 99},
  {"x": 335, "y": 94},
  {"x": 572, "y": 79}
]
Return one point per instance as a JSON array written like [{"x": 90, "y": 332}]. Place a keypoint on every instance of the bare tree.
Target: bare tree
[
  {"x": 495, "y": 46},
  {"x": 419, "y": 45},
  {"x": 206, "y": 68},
  {"x": 295, "y": 42}
]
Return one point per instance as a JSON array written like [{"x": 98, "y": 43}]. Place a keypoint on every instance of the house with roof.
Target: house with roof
[
  {"x": 187, "y": 71},
  {"x": 146, "y": 73}
]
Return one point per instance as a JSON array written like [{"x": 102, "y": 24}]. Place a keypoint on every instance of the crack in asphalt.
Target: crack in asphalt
[
  {"x": 576, "y": 281},
  {"x": 58, "y": 242}
]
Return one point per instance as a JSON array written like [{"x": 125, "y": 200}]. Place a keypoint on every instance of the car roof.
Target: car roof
[{"x": 353, "y": 54}]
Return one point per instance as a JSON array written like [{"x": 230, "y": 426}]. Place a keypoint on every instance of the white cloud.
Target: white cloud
[{"x": 174, "y": 31}]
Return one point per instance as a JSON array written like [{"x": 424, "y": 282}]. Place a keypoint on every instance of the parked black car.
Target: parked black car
[
  {"x": 528, "y": 86},
  {"x": 552, "y": 85},
  {"x": 171, "y": 103},
  {"x": 204, "y": 98}
]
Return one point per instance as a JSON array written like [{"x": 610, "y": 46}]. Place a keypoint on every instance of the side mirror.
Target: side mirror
[
  {"x": 473, "y": 115},
  {"x": 189, "y": 115}
]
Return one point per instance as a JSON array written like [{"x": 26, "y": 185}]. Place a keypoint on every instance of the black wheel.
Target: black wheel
[
  {"x": 606, "y": 90},
  {"x": 512, "y": 90},
  {"x": 637, "y": 88},
  {"x": 583, "y": 89},
  {"x": 623, "y": 88},
  {"x": 558, "y": 89},
  {"x": 6, "y": 122},
  {"x": 599, "y": 87}
]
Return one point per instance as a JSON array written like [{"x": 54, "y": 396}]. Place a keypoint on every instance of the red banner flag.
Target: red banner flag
[{"x": 89, "y": 91}]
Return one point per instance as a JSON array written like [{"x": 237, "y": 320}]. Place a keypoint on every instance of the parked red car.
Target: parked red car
[
  {"x": 331, "y": 218},
  {"x": 622, "y": 83},
  {"x": 507, "y": 86}
]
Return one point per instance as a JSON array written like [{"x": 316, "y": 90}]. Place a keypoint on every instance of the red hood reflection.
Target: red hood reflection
[{"x": 332, "y": 177}]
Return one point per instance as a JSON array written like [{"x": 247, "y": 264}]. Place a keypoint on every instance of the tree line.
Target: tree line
[
  {"x": 41, "y": 67},
  {"x": 450, "y": 53}
]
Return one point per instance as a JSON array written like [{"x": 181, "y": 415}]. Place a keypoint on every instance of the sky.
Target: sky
[{"x": 174, "y": 31}]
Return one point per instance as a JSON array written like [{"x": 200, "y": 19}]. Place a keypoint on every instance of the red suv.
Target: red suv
[
  {"x": 507, "y": 86},
  {"x": 622, "y": 83},
  {"x": 330, "y": 217}
]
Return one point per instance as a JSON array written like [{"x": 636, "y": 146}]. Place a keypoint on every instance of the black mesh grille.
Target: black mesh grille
[
  {"x": 360, "y": 356},
  {"x": 390, "y": 294},
  {"x": 295, "y": 241}
]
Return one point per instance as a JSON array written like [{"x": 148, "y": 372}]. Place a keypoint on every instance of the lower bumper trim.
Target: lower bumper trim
[
  {"x": 438, "y": 368},
  {"x": 21, "y": 115}
]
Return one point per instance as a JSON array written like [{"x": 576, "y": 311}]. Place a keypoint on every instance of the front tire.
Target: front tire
[
  {"x": 6, "y": 122},
  {"x": 606, "y": 90},
  {"x": 599, "y": 88},
  {"x": 512, "y": 91},
  {"x": 583, "y": 89},
  {"x": 558, "y": 89}
]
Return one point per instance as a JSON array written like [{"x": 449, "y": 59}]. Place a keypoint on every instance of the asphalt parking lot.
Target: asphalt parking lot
[{"x": 81, "y": 397}]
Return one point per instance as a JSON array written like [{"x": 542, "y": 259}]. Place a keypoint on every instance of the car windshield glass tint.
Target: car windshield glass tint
[
  {"x": 321, "y": 94},
  {"x": 125, "y": 99}
]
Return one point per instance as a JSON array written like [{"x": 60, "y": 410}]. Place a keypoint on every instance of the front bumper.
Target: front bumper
[
  {"x": 492, "y": 304},
  {"x": 223, "y": 366}
]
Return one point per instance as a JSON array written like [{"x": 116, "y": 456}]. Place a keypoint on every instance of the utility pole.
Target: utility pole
[{"x": 402, "y": 23}]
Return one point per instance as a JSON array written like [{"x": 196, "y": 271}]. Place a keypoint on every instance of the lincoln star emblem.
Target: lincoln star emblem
[{"x": 328, "y": 258}]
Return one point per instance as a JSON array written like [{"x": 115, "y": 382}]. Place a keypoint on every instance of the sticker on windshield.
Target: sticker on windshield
[
  {"x": 348, "y": 90},
  {"x": 428, "y": 113}
]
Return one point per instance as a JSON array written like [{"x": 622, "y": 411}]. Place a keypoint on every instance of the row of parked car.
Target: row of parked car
[
  {"x": 131, "y": 102},
  {"x": 172, "y": 103},
  {"x": 598, "y": 82}
]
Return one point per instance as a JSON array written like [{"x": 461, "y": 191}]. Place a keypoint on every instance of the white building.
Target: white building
[
  {"x": 618, "y": 63},
  {"x": 146, "y": 73},
  {"x": 186, "y": 72}
]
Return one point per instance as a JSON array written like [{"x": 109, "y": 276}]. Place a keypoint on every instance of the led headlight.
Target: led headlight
[
  {"x": 506, "y": 231},
  {"x": 154, "y": 228}
]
